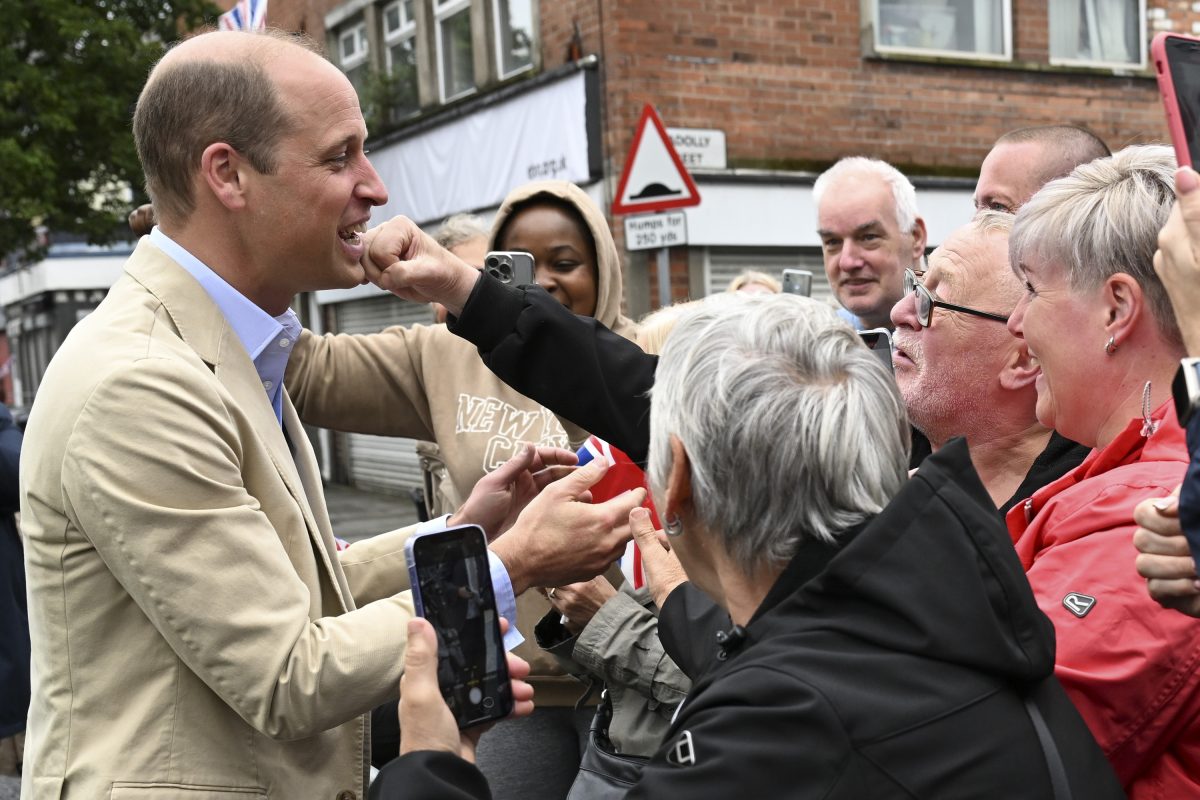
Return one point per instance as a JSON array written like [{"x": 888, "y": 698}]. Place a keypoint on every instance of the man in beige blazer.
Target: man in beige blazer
[{"x": 196, "y": 634}]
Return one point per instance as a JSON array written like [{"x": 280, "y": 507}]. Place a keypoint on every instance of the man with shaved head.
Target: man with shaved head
[
  {"x": 196, "y": 631},
  {"x": 1025, "y": 160}
]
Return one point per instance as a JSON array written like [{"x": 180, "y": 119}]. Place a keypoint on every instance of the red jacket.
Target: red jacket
[{"x": 1131, "y": 667}]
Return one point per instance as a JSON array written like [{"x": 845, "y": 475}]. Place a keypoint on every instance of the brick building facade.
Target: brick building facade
[{"x": 794, "y": 85}]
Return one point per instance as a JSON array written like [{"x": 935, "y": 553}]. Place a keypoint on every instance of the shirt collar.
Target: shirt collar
[{"x": 255, "y": 329}]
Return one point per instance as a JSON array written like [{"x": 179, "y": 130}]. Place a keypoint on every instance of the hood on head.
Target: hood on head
[{"x": 609, "y": 289}]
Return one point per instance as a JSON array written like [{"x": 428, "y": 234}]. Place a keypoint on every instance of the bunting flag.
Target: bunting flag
[
  {"x": 247, "y": 15},
  {"x": 622, "y": 476}
]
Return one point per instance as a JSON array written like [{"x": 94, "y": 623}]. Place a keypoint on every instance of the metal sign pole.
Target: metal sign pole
[{"x": 664, "y": 277}]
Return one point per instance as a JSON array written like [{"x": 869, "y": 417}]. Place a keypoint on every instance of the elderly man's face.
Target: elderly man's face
[
  {"x": 865, "y": 251},
  {"x": 1010, "y": 175},
  {"x": 946, "y": 371}
]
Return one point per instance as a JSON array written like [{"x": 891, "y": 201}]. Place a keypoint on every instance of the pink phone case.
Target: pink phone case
[{"x": 1166, "y": 87}]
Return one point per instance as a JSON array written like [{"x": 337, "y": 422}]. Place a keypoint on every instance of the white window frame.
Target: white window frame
[
  {"x": 1006, "y": 56},
  {"x": 442, "y": 9},
  {"x": 358, "y": 33},
  {"x": 391, "y": 38},
  {"x": 1115, "y": 65},
  {"x": 408, "y": 27},
  {"x": 501, "y": 46}
]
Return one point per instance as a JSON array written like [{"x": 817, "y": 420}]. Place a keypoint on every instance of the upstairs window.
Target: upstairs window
[
  {"x": 455, "y": 56},
  {"x": 514, "y": 36},
  {"x": 352, "y": 51},
  {"x": 400, "y": 43},
  {"x": 1100, "y": 33},
  {"x": 975, "y": 29}
]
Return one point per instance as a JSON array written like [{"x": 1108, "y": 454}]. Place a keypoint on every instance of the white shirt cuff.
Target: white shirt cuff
[{"x": 506, "y": 601}]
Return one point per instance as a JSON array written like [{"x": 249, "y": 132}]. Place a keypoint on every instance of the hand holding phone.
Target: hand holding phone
[
  {"x": 452, "y": 588},
  {"x": 1177, "y": 66},
  {"x": 513, "y": 267}
]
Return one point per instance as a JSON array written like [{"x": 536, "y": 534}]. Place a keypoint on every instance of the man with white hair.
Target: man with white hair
[
  {"x": 962, "y": 373},
  {"x": 870, "y": 233}
]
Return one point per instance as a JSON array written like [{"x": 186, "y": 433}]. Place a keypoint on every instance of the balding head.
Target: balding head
[
  {"x": 215, "y": 87},
  {"x": 1023, "y": 161}
]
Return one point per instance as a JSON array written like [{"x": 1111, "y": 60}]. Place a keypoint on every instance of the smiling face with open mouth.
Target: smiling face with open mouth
[
  {"x": 1054, "y": 319},
  {"x": 310, "y": 213}
]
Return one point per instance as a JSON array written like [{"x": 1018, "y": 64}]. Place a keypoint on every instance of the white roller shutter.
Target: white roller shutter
[
  {"x": 725, "y": 264},
  {"x": 380, "y": 463}
]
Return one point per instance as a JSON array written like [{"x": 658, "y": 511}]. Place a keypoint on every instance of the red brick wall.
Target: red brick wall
[{"x": 788, "y": 83}]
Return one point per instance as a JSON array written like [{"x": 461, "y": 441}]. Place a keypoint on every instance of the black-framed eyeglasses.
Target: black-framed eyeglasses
[{"x": 926, "y": 302}]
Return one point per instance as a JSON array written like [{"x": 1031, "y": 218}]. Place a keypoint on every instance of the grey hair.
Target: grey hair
[
  {"x": 460, "y": 229},
  {"x": 903, "y": 193},
  {"x": 792, "y": 428},
  {"x": 990, "y": 220},
  {"x": 1103, "y": 219}
]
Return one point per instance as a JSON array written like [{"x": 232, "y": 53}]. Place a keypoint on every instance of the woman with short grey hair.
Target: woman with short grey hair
[
  {"x": 883, "y": 640},
  {"x": 782, "y": 401},
  {"x": 1100, "y": 328}
]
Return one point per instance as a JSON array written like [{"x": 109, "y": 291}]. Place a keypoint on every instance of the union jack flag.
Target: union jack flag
[
  {"x": 622, "y": 476},
  {"x": 247, "y": 15}
]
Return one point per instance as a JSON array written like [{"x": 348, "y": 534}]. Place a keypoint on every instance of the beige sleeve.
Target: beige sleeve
[{"x": 367, "y": 383}]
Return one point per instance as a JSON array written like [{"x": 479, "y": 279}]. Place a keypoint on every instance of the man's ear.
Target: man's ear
[
  {"x": 679, "y": 481},
  {"x": 920, "y": 237},
  {"x": 1019, "y": 371},
  {"x": 1124, "y": 303},
  {"x": 223, "y": 170}
]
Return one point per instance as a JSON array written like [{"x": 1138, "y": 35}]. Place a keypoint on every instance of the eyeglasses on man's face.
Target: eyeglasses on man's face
[{"x": 927, "y": 302}]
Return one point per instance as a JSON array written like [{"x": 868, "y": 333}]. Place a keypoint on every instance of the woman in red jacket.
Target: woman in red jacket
[{"x": 1101, "y": 327}]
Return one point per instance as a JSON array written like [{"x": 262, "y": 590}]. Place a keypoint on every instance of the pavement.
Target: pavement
[{"x": 355, "y": 514}]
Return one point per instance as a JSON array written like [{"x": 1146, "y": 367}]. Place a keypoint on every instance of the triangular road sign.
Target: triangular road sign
[{"x": 654, "y": 179}]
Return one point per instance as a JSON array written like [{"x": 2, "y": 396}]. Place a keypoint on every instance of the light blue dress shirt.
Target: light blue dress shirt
[{"x": 269, "y": 341}]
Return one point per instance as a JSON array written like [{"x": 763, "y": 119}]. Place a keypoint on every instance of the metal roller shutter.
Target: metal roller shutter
[
  {"x": 380, "y": 463},
  {"x": 725, "y": 264}
]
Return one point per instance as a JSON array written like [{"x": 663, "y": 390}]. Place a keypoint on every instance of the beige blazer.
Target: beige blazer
[{"x": 195, "y": 634}]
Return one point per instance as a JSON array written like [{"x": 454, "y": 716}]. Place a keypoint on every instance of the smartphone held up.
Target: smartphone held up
[
  {"x": 1177, "y": 66},
  {"x": 452, "y": 588}
]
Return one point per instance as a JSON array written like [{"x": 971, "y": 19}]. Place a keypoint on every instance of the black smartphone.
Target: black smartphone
[
  {"x": 1177, "y": 65},
  {"x": 797, "y": 281},
  {"x": 879, "y": 341},
  {"x": 452, "y": 588},
  {"x": 513, "y": 267}
]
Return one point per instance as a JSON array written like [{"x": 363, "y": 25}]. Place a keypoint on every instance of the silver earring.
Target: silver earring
[
  {"x": 673, "y": 525},
  {"x": 1111, "y": 347}
]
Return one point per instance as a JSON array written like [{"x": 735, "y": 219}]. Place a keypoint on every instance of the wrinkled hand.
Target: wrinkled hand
[
  {"x": 662, "y": 567},
  {"x": 562, "y": 537},
  {"x": 579, "y": 602},
  {"x": 1177, "y": 261},
  {"x": 404, "y": 260},
  {"x": 425, "y": 719},
  {"x": 500, "y": 496},
  {"x": 1164, "y": 559}
]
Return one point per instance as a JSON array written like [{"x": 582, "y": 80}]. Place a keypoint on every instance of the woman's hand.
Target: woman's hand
[
  {"x": 1177, "y": 261},
  {"x": 426, "y": 722},
  {"x": 662, "y": 567},
  {"x": 1164, "y": 558},
  {"x": 579, "y": 602}
]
